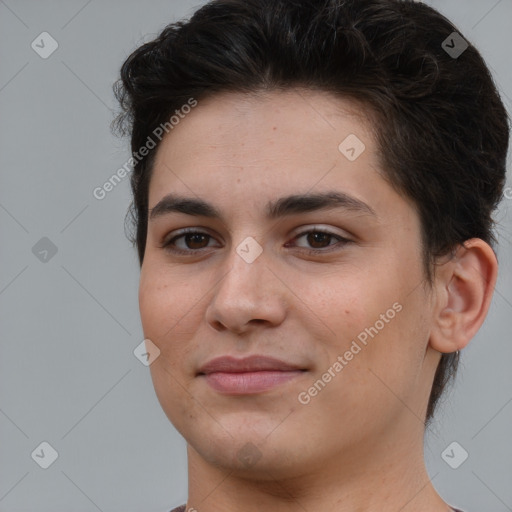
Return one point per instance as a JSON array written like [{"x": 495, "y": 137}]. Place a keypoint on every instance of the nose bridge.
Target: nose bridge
[
  {"x": 246, "y": 291},
  {"x": 247, "y": 265}
]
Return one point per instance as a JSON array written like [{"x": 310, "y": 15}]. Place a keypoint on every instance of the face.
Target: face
[{"x": 330, "y": 284}]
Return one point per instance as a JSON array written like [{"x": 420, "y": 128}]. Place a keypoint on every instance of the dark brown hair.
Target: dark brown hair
[{"x": 442, "y": 130}]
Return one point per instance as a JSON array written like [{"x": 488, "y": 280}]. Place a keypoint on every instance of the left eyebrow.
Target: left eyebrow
[
  {"x": 288, "y": 205},
  {"x": 303, "y": 203}
]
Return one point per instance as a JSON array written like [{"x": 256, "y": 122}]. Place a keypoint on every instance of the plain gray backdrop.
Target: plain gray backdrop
[{"x": 69, "y": 278}]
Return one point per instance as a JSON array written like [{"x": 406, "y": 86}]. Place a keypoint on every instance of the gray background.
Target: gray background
[{"x": 69, "y": 325}]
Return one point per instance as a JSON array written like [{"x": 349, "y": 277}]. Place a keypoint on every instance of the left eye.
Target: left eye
[{"x": 318, "y": 239}]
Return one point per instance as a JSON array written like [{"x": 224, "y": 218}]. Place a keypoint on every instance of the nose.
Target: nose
[{"x": 248, "y": 295}]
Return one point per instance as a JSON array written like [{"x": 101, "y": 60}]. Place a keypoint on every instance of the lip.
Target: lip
[
  {"x": 255, "y": 363},
  {"x": 250, "y": 375}
]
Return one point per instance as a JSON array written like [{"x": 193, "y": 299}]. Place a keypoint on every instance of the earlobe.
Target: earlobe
[{"x": 464, "y": 287}]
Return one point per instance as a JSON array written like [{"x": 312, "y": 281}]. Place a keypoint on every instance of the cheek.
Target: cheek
[
  {"x": 344, "y": 305},
  {"x": 165, "y": 300},
  {"x": 374, "y": 316},
  {"x": 171, "y": 311},
  {"x": 154, "y": 301},
  {"x": 163, "y": 311}
]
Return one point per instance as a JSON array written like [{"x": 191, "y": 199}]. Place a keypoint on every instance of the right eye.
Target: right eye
[{"x": 191, "y": 241}]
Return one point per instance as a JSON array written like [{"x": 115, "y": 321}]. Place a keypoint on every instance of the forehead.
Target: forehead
[
  {"x": 237, "y": 120},
  {"x": 256, "y": 147}
]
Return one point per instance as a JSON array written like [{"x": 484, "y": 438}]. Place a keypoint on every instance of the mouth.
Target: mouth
[{"x": 250, "y": 375}]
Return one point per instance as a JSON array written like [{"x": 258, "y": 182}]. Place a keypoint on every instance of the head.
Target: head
[{"x": 264, "y": 94}]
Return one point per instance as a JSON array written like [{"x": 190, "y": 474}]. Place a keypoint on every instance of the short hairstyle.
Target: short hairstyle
[{"x": 441, "y": 128}]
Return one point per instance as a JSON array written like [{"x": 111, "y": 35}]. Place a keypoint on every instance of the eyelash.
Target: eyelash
[{"x": 191, "y": 231}]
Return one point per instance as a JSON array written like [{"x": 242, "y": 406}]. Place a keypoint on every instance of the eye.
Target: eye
[
  {"x": 320, "y": 239},
  {"x": 187, "y": 242}
]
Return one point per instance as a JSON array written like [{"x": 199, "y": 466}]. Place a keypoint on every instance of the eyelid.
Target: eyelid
[
  {"x": 307, "y": 228},
  {"x": 184, "y": 231}
]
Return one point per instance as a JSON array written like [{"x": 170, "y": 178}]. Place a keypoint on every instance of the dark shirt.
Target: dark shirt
[{"x": 182, "y": 509}]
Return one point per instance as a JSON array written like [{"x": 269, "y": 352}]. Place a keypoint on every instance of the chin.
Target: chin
[{"x": 256, "y": 452}]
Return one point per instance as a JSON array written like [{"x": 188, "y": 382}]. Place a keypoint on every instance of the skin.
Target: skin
[{"x": 358, "y": 444}]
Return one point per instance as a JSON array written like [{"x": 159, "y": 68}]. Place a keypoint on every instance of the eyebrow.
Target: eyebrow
[{"x": 288, "y": 205}]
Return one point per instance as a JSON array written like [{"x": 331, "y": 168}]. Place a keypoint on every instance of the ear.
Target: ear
[{"x": 463, "y": 291}]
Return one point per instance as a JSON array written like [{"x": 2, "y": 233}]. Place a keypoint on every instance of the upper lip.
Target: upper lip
[{"x": 229, "y": 364}]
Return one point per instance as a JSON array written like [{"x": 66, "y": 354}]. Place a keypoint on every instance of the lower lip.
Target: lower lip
[{"x": 249, "y": 382}]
